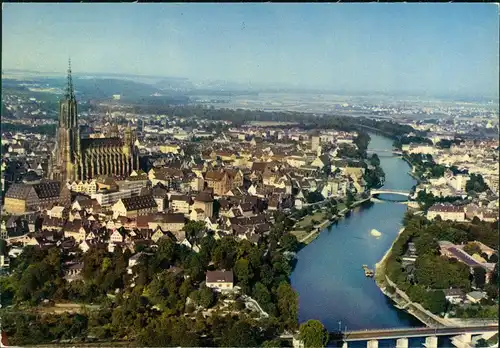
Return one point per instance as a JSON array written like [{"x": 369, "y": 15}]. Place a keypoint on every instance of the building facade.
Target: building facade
[{"x": 75, "y": 158}]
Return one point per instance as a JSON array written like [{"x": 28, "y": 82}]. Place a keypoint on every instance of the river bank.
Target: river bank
[
  {"x": 327, "y": 223},
  {"x": 400, "y": 298}
]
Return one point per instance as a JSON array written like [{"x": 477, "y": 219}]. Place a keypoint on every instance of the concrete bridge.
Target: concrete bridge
[
  {"x": 462, "y": 336},
  {"x": 389, "y": 191},
  {"x": 382, "y": 334},
  {"x": 385, "y": 151}
]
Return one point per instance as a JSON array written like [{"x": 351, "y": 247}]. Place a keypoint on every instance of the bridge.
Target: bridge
[
  {"x": 389, "y": 191},
  {"x": 382, "y": 334},
  {"x": 462, "y": 336},
  {"x": 396, "y": 152}
]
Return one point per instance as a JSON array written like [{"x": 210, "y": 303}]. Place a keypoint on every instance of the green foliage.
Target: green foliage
[
  {"x": 313, "y": 197},
  {"x": 272, "y": 343},
  {"x": 287, "y": 305},
  {"x": 390, "y": 289},
  {"x": 472, "y": 248},
  {"x": 477, "y": 311},
  {"x": 482, "y": 343},
  {"x": 207, "y": 297},
  {"x": 476, "y": 183},
  {"x": 313, "y": 334},
  {"x": 3, "y": 247},
  {"x": 243, "y": 272},
  {"x": 426, "y": 200},
  {"x": 479, "y": 277},
  {"x": 425, "y": 165},
  {"x": 374, "y": 178},
  {"x": 448, "y": 274},
  {"x": 349, "y": 199},
  {"x": 224, "y": 254},
  {"x": 193, "y": 229},
  {"x": 31, "y": 329},
  {"x": 433, "y": 272},
  {"x": 374, "y": 160},
  {"x": 289, "y": 243},
  {"x": 349, "y": 151},
  {"x": 435, "y": 301},
  {"x": 164, "y": 292},
  {"x": 240, "y": 334},
  {"x": 262, "y": 295}
]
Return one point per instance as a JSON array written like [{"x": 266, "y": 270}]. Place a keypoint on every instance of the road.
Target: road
[{"x": 416, "y": 332}]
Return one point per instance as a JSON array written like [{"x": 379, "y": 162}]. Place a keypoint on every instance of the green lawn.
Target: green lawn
[
  {"x": 319, "y": 216},
  {"x": 341, "y": 206}
]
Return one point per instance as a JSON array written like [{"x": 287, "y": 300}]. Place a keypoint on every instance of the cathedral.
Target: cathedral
[{"x": 76, "y": 158}]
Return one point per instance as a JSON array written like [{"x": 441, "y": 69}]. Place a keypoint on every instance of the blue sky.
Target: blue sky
[{"x": 434, "y": 48}]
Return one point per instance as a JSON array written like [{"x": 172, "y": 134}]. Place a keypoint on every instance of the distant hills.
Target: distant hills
[{"x": 104, "y": 85}]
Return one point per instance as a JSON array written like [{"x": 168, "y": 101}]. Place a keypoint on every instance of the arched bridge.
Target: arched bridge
[
  {"x": 391, "y": 192},
  {"x": 396, "y": 152}
]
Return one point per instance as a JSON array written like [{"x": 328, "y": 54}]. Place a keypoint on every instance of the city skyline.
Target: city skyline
[{"x": 447, "y": 49}]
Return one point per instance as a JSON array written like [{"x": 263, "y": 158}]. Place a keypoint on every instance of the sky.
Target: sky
[{"x": 432, "y": 48}]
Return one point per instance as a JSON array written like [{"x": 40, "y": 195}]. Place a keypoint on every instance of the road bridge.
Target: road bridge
[
  {"x": 389, "y": 191},
  {"x": 395, "y": 152},
  {"x": 462, "y": 336},
  {"x": 382, "y": 334}
]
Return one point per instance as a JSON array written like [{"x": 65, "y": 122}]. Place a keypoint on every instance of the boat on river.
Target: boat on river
[
  {"x": 368, "y": 272},
  {"x": 375, "y": 233}
]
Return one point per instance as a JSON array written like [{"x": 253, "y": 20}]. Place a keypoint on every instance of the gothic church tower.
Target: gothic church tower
[{"x": 67, "y": 137}]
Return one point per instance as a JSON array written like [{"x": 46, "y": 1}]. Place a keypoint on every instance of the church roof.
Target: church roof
[{"x": 92, "y": 143}]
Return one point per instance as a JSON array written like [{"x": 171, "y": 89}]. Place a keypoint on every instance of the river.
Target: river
[{"x": 328, "y": 275}]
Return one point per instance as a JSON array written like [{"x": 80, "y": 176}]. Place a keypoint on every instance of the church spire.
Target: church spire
[{"x": 70, "y": 94}]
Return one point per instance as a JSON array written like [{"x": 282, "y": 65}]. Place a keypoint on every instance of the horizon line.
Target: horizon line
[{"x": 267, "y": 85}]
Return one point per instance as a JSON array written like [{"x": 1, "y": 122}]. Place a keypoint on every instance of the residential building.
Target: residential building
[
  {"x": 205, "y": 202},
  {"x": 220, "y": 280},
  {"x": 135, "y": 206},
  {"x": 21, "y": 198},
  {"x": 446, "y": 212},
  {"x": 180, "y": 204}
]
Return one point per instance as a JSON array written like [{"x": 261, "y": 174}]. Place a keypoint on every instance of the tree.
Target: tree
[
  {"x": 435, "y": 301},
  {"x": 472, "y": 248},
  {"x": 491, "y": 290},
  {"x": 272, "y": 343},
  {"x": 261, "y": 295},
  {"x": 243, "y": 272},
  {"x": 166, "y": 253},
  {"x": 3, "y": 247},
  {"x": 224, "y": 254},
  {"x": 493, "y": 258},
  {"x": 476, "y": 183},
  {"x": 266, "y": 275},
  {"x": 313, "y": 334},
  {"x": 193, "y": 229},
  {"x": 287, "y": 305},
  {"x": 207, "y": 297},
  {"x": 349, "y": 199},
  {"x": 374, "y": 160},
  {"x": 240, "y": 334},
  {"x": 482, "y": 343},
  {"x": 479, "y": 277}
]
